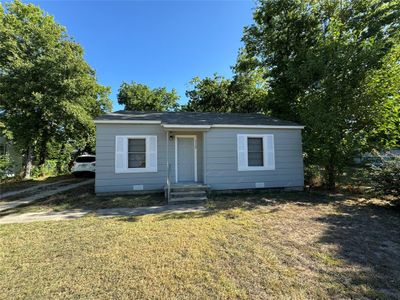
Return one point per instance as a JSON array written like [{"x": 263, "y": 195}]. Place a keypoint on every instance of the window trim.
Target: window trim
[
  {"x": 265, "y": 166},
  {"x": 148, "y": 168}
]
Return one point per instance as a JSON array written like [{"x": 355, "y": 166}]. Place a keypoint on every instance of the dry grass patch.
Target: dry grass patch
[
  {"x": 84, "y": 198},
  {"x": 12, "y": 184},
  {"x": 254, "y": 246}
]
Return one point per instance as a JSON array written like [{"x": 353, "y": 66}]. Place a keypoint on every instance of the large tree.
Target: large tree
[
  {"x": 140, "y": 97},
  {"x": 243, "y": 93},
  {"x": 317, "y": 57},
  {"x": 47, "y": 90}
]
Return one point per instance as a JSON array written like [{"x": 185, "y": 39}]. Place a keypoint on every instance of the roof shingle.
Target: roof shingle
[{"x": 196, "y": 118}]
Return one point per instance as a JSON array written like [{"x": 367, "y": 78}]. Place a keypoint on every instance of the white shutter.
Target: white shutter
[
  {"x": 269, "y": 155},
  {"x": 121, "y": 154},
  {"x": 151, "y": 153},
  {"x": 242, "y": 151}
]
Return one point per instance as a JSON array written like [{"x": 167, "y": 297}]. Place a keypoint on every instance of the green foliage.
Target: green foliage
[
  {"x": 49, "y": 168},
  {"x": 243, "y": 93},
  {"x": 325, "y": 62},
  {"x": 382, "y": 87},
  {"x": 47, "y": 90},
  {"x": 312, "y": 175},
  {"x": 208, "y": 94},
  {"x": 140, "y": 97},
  {"x": 280, "y": 44},
  {"x": 385, "y": 176}
]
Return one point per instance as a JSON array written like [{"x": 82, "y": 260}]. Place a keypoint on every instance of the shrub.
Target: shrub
[
  {"x": 313, "y": 176},
  {"x": 385, "y": 176},
  {"x": 49, "y": 168}
]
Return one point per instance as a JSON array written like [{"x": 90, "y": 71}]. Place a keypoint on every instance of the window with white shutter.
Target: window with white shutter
[
  {"x": 255, "y": 152},
  {"x": 135, "y": 154}
]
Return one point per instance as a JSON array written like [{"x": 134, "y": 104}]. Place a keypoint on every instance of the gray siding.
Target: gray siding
[
  {"x": 106, "y": 178},
  {"x": 222, "y": 167},
  {"x": 216, "y": 159}
]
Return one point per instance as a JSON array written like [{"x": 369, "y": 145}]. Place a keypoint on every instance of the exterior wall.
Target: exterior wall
[
  {"x": 218, "y": 168},
  {"x": 106, "y": 178},
  {"x": 221, "y": 162}
]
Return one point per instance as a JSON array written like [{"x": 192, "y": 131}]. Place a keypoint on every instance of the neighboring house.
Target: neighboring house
[
  {"x": 376, "y": 157},
  {"x": 222, "y": 151},
  {"x": 6, "y": 149}
]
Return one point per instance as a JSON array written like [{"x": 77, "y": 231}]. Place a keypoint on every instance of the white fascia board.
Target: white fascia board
[
  {"x": 126, "y": 122},
  {"x": 258, "y": 126},
  {"x": 178, "y": 126}
]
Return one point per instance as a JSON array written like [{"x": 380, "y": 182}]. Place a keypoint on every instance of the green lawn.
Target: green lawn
[{"x": 254, "y": 246}]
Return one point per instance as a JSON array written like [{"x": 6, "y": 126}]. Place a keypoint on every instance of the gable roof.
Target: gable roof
[{"x": 192, "y": 118}]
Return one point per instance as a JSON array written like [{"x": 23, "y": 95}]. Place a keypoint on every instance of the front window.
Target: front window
[
  {"x": 136, "y": 153},
  {"x": 255, "y": 152}
]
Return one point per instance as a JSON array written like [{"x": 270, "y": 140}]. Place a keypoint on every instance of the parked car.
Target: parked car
[{"x": 84, "y": 164}]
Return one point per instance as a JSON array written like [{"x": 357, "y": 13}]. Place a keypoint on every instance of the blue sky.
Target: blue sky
[{"x": 156, "y": 43}]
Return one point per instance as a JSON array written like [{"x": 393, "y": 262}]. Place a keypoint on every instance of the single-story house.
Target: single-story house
[{"x": 150, "y": 151}]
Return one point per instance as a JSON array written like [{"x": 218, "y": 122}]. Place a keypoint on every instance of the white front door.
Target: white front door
[{"x": 186, "y": 159}]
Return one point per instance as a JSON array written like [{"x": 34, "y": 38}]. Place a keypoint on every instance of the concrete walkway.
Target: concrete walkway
[
  {"x": 43, "y": 216},
  {"x": 42, "y": 194},
  {"x": 32, "y": 188},
  {"x": 140, "y": 211},
  {"x": 102, "y": 213}
]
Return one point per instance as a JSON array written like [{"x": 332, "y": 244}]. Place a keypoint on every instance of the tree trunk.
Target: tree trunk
[
  {"x": 28, "y": 163},
  {"x": 331, "y": 176},
  {"x": 59, "y": 161},
  {"x": 43, "y": 150}
]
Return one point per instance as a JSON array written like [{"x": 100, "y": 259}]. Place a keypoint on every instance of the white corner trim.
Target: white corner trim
[
  {"x": 126, "y": 122},
  {"x": 176, "y": 159}
]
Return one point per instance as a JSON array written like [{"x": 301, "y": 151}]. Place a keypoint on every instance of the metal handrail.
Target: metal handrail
[{"x": 168, "y": 183}]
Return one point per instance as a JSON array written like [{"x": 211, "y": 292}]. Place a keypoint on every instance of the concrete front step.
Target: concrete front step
[
  {"x": 188, "y": 193},
  {"x": 187, "y": 199},
  {"x": 188, "y": 189}
]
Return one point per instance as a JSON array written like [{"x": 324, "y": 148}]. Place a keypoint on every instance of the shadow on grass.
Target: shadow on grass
[
  {"x": 84, "y": 198},
  {"x": 366, "y": 232},
  {"x": 246, "y": 201},
  {"x": 12, "y": 185},
  {"x": 170, "y": 216},
  {"x": 368, "y": 236}
]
